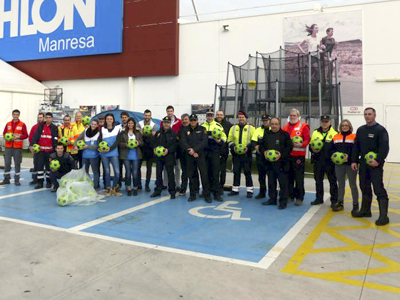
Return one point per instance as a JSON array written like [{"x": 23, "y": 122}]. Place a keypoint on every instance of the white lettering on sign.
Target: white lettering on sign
[
  {"x": 233, "y": 212},
  {"x": 65, "y": 44},
  {"x": 19, "y": 23}
]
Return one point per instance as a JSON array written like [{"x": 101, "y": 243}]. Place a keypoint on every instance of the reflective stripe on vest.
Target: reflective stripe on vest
[
  {"x": 248, "y": 133},
  {"x": 17, "y": 130},
  {"x": 297, "y": 131}
]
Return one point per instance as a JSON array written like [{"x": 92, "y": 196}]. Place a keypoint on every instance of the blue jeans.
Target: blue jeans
[
  {"x": 132, "y": 173},
  {"x": 106, "y": 165},
  {"x": 94, "y": 163}
]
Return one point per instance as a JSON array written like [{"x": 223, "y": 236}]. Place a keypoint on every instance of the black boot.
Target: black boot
[
  {"x": 39, "y": 185},
  {"x": 365, "y": 210},
  {"x": 16, "y": 181},
  {"x": 261, "y": 195},
  {"x": 147, "y": 187},
  {"x": 383, "y": 212},
  {"x": 5, "y": 181}
]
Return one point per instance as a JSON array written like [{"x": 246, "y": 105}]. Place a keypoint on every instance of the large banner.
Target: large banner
[
  {"x": 39, "y": 29},
  {"x": 341, "y": 34}
]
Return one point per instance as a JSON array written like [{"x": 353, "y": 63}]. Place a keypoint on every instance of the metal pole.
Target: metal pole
[
  {"x": 336, "y": 110},
  {"x": 195, "y": 10},
  {"x": 235, "y": 111},
  {"x": 320, "y": 98},
  {"x": 309, "y": 84},
  {"x": 215, "y": 99},
  {"x": 226, "y": 87},
  {"x": 339, "y": 101},
  {"x": 277, "y": 99}
]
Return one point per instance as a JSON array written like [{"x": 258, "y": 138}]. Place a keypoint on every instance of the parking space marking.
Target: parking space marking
[{"x": 23, "y": 193}]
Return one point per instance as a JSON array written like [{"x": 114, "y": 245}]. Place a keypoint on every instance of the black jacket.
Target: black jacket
[
  {"x": 373, "y": 138},
  {"x": 224, "y": 147},
  {"x": 38, "y": 133},
  {"x": 347, "y": 148},
  {"x": 167, "y": 139},
  {"x": 279, "y": 141},
  {"x": 195, "y": 138},
  {"x": 67, "y": 163}
]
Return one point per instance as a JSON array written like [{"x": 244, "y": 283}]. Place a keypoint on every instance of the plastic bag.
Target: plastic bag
[{"x": 76, "y": 188}]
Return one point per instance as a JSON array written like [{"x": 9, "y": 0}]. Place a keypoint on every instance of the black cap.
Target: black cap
[
  {"x": 193, "y": 117},
  {"x": 265, "y": 117},
  {"x": 325, "y": 118},
  {"x": 209, "y": 112},
  {"x": 167, "y": 119}
]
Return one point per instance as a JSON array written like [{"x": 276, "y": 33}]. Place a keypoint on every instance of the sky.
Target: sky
[{"x": 219, "y": 9}]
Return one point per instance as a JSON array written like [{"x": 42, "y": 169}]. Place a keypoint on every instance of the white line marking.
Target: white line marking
[
  {"x": 280, "y": 246},
  {"x": 22, "y": 193},
  {"x": 118, "y": 214}
]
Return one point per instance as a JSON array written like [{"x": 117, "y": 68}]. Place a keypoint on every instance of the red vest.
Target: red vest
[
  {"x": 17, "y": 130},
  {"x": 297, "y": 131},
  {"x": 45, "y": 141}
]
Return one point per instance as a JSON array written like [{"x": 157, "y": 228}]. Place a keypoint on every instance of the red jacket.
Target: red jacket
[
  {"x": 32, "y": 132},
  {"x": 175, "y": 126},
  {"x": 303, "y": 130}
]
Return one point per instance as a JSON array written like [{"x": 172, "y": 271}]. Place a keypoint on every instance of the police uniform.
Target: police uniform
[
  {"x": 241, "y": 134},
  {"x": 212, "y": 154},
  {"x": 147, "y": 151},
  {"x": 323, "y": 164},
  {"x": 196, "y": 139},
  {"x": 169, "y": 140},
  {"x": 261, "y": 162},
  {"x": 277, "y": 170},
  {"x": 224, "y": 153}
]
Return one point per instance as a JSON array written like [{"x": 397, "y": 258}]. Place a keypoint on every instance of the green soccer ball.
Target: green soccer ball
[
  {"x": 317, "y": 145},
  {"x": 80, "y": 144},
  {"x": 103, "y": 146},
  {"x": 63, "y": 140},
  {"x": 55, "y": 164},
  {"x": 271, "y": 155},
  {"x": 132, "y": 144},
  {"x": 147, "y": 130},
  {"x": 370, "y": 156},
  {"x": 86, "y": 120},
  {"x": 240, "y": 149},
  {"x": 9, "y": 136},
  {"x": 297, "y": 139},
  {"x": 159, "y": 151},
  {"x": 338, "y": 158},
  {"x": 216, "y": 133},
  {"x": 63, "y": 182},
  {"x": 36, "y": 148},
  {"x": 63, "y": 200}
]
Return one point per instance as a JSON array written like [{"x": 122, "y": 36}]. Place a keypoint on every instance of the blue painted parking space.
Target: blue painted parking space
[{"x": 238, "y": 228}]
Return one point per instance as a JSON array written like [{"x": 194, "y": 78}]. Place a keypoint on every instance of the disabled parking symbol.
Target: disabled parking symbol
[{"x": 233, "y": 212}]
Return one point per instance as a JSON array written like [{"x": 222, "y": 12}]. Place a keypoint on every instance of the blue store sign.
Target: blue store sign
[{"x": 40, "y": 29}]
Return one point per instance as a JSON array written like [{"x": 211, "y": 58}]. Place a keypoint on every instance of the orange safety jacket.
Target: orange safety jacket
[
  {"x": 18, "y": 130},
  {"x": 298, "y": 130}
]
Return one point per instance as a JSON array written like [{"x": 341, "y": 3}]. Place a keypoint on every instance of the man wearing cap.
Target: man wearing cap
[
  {"x": 167, "y": 138},
  {"x": 322, "y": 162},
  {"x": 298, "y": 156},
  {"x": 193, "y": 143},
  {"x": 14, "y": 147},
  {"x": 102, "y": 120},
  {"x": 220, "y": 118},
  {"x": 241, "y": 134},
  {"x": 261, "y": 162},
  {"x": 213, "y": 153},
  {"x": 372, "y": 137},
  {"x": 147, "y": 151}
]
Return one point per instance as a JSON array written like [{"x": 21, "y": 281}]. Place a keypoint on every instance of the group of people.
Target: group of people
[{"x": 184, "y": 146}]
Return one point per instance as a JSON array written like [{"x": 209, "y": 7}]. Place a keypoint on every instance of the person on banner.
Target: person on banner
[
  {"x": 90, "y": 155},
  {"x": 344, "y": 145},
  {"x": 147, "y": 151},
  {"x": 300, "y": 134},
  {"x": 276, "y": 146},
  {"x": 372, "y": 142},
  {"x": 78, "y": 128},
  {"x": 261, "y": 162},
  {"x": 320, "y": 148},
  {"x": 176, "y": 124},
  {"x": 220, "y": 118},
  {"x": 193, "y": 142},
  {"x": 165, "y": 141},
  {"x": 131, "y": 156},
  {"x": 40, "y": 120},
  {"x": 67, "y": 163},
  {"x": 15, "y": 133},
  {"x": 213, "y": 153},
  {"x": 69, "y": 131},
  {"x": 46, "y": 136},
  {"x": 110, "y": 155},
  {"x": 239, "y": 140}
]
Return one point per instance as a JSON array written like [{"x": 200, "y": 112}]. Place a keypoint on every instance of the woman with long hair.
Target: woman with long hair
[
  {"x": 110, "y": 134},
  {"x": 90, "y": 156},
  {"x": 131, "y": 157},
  {"x": 313, "y": 47},
  {"x": 344, "y": 142}
]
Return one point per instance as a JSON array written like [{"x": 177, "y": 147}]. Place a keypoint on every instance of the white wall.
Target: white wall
[{"x": 205, "y": 50}]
